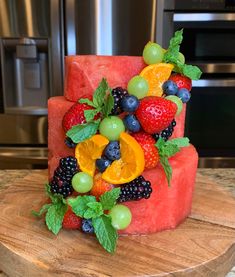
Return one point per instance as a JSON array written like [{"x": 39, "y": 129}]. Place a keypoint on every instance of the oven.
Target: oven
[{"x": 209, "y": 42}]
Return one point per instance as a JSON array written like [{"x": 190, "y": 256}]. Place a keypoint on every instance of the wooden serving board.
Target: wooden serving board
[{"x": 203, "y": 245}]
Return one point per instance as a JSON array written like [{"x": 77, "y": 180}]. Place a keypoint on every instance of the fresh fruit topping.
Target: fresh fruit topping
[
  {"x": 102, "y": 164},
  {"x": 118, "y": 95},
  {"x": 100, "y": 186},
  {"x": 153, "y": 53},
  {"x": 87, "y": 226},
  {"x": 111, "y": 127},
  {"x": 61, "y": 181},
  {"x": 184, "y": 95},
  {"x": 156, "y": 75},
  {"x": 130, "y": 103},
  {"x": 129, "y": 166},
  {"x": 69, "y": 142},
  {"x": 71, "y": 221},
  {"x": 135, "y": 190},
  {"x": 82, "y": 182},
  {"x": 147, "y": 142},
  {"x": 170, "y": 88},
  {"x": 112, "y": 151},
  {"x": 138, "y": 86},
  {"x": 131, "y": 123},
  {"x": 88, "y": 151},
  {"x": 177, "y": 101},
  {"x": 166, "y": 133},
  {"x": 181, "y": 81},
  {"x": 74, "y": 116},
  {"x": 155, "y": 113},
  {"x": 120, "y": 217}
]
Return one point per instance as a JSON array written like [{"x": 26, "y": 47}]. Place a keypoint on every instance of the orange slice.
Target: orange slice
[
  {"x": 131, "y": 164},
  {"x": 156, "y": 75},
  {"x": 88, "y": 151}
]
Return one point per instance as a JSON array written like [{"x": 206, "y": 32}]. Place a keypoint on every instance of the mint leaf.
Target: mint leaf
[
  {"x": 167, "y": 150},
  {"x": 172, "y": 52},
  {"x": 167, "y": 169},
  {"x": 191, "y": 71},
  {"x": 90, "y": 114},
  {"x": 108, "y": 105},
  {"x": 180, "y": 142},
  {"x": 109, "y": 198},
  {"x": 79, "y": 204},
  {"x": 87, "y": 101},
  {"x": 94, "y": 210},
  {"x": 81, "y": 132},
  {"x": 100, "y": 93},
  {"x": 105, "y": 232},
  {"x": 43, "y": 210},
  {"x": 54, "y": 217}
]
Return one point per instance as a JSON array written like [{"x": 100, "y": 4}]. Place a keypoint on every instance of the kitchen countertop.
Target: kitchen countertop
[{"x": 223, "y": 177}]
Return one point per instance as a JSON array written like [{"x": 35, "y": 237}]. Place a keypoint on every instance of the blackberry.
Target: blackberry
[
  {"x": 118, "y": 94},
  {"x": 135, "y": 190},
  {"x": 61, "y": 181},
  {"x": 69, "y": 142},
  {"x": 166, "y": 133}
]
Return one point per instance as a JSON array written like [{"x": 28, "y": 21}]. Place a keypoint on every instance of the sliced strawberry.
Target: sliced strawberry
[{"x": 147, "y": 142}]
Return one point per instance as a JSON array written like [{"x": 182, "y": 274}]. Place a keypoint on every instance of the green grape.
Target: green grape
[
  {"x": 138, "y": 87},
  {"x": 111, "y": 127},
  {"x": 153, "y": 53},
  {"x": 82, "y": 182},
  {"x": 177, "y": 101},
  {"x": 181, "y": 58},
  {"x": 121, "y": 216}
]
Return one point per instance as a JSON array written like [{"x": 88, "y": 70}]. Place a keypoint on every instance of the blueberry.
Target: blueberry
[
  {"x": 131, "y": 123},
  {"x": 102, "y": 164},
  {"x": 184, "y": 95},
  {"x": 87, "y": 226},
  {"x": 129, "y": 103},
  {"x": 170, "y": 88},
  {"x": 68, "y": 141},
  {"x": 112, "y": 151}
]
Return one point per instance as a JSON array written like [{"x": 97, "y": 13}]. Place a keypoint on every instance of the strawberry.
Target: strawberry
[
  {"x": 71, "y": 221},
  {"x": 147, "y": 142},
  {"x": 100, "y": 186},
  {"x": 75, "y": 115},
  {"x": 181, "y": 81},
  {"x": 155, "y": 113}
]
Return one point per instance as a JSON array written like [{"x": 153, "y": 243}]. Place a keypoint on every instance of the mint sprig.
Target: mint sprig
[
  {"x": 168, "y": 149},
  {"x": 81, "y": 132},
  {"x": 172, "y": 54},
  {"x": 88, "y": 207},
  {"x": 102, "y": 101},
  {"x": 54, "y": 211}
]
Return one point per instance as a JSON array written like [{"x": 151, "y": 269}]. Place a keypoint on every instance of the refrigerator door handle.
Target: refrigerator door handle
[{"x": 70, "y": 30}]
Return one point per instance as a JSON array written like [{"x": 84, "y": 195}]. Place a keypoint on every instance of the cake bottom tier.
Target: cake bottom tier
[{"x": 167, "y": 206}]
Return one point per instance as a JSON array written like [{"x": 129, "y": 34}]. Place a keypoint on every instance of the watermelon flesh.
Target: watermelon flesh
[{"x": 84, "y": 73}]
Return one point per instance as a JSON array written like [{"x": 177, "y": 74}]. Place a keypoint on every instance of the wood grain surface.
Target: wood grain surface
[{"x": 203, "y": 245}]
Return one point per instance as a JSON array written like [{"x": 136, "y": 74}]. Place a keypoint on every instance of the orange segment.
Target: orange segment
[
  {"x": 156, "y": 75},
  {"x": 88, "y": 151},
  {"x": 131, "y": 164}
]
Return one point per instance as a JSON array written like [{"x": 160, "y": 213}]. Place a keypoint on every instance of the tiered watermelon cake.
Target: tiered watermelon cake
[{"x": 118, "y": 162}]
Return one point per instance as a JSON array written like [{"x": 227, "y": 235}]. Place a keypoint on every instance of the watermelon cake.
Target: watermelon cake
[{"x": 118, "y": 161}]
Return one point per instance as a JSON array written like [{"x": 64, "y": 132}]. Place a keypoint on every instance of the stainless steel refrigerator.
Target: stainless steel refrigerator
[{"x": 34, "y": 38}]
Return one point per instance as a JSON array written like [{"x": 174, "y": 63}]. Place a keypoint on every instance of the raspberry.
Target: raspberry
[
  {"x": 61, "y": 181},
  {"x": 137, "y": 189},
  {"x": 166, "y": 133},
  {"x": 118, "y": 94},
  {"x": 71, "y": 221}
]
